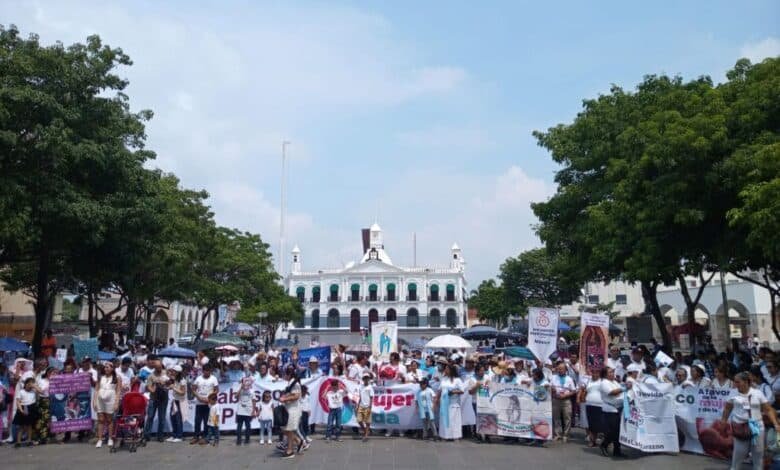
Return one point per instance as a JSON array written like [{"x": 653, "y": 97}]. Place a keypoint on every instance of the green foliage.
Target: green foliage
[
  {"x": 531, "y": 280},
  {"x": 491, "y": 302}
]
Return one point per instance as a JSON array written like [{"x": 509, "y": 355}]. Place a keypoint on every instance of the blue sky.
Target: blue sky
[{"x": 418, "y": 112}]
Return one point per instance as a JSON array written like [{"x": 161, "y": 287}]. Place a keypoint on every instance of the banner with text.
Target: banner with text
[
  {"x": 515, "y": 411},
  {"x": 698, "y": 412},
  {"x": 70, "y": 405},
  {"x": 384, "y": 339},
  {"x": 647, "y": 420},
  {"x": 594, "y": 341},
  {"x": 542, "y": 332}
]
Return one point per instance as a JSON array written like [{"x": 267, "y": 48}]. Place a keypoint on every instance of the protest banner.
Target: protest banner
[
  {"x": 594, "y": 341},
  {"x": 542, "y": 332},
  {"x": 70, "y": 402},
  {"x": 85, "y": 348},
  {"x": 662, "y": 359},
  {"x": 514, "y": 411},
  {"x": 322, "y": 353},
  {"x": 647, "y": 420},
  {"x": 698, "y": 413},
  {"x": 384, "y": 339}
]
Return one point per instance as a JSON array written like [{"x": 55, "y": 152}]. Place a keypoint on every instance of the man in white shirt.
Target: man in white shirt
[
  {"x": 358, "y": 369},
  {"x": 204, "y": 385},
  {"x": 563, "y": 389},
  {"x": 313, "y": 372},
  {"x": 614, "y": 362}
]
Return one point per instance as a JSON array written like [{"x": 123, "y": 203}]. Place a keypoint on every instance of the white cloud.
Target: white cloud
[
  {"x": 451, "y": 139},
  {"x": 758, "y": 51}
]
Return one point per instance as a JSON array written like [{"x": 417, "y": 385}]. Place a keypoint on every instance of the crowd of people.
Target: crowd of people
[{"x": 444, "y": 378}]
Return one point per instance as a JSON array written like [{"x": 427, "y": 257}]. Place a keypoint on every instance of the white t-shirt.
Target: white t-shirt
[
  {"x": 245, "y": 397},
  {"x": 561, "y": 384},
  {"x": 593, "y": 393},
  {"x": 125, "y": 377},
  {"x": 728, "y": 384},
  {"x": 266, "y": 411},
  {"x": 617, "y": 365},
  {"x": 747, "y": 406},
  {"x": 610, "y": 403},
  {"x": 305, "y": 403},
  {"x": 204, "y": 386},
  {"x": 366, "y": 394},
  {"x": 335, "y": 399},
  {"x": 43, "y": 384}
]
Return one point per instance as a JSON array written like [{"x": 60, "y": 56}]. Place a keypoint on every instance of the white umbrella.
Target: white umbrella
[{"x": 448, "y": 342}]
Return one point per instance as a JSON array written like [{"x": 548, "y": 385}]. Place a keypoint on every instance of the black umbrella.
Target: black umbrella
[{"x": 478, "y": 332}]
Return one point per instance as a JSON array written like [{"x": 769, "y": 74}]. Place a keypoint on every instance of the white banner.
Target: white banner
[
  {"x": 384, "y": 339},
  {"x": 698, "y": 412},
  {"x": 542, "y": 332},
  {"x": 514, "y": 410},
  {"x": 647, "y": 421}
]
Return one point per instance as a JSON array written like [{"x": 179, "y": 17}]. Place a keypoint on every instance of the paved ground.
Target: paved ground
[{"x": 380, "y": 453}]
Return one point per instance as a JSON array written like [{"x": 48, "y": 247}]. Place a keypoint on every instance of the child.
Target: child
[
  {"x": 425, "y": 407},
  {"x": 212, "y": 425},
  {"x": 246, "y": 410},
  {"x": 364, "y": 406},
  {"x": 305, "y": 401},
  {"x": 335, "y": 399},
  {"x": 26, "y": 411},
  {"x": 266, "y": 417}
]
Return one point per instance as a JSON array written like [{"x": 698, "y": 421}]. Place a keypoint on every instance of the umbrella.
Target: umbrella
[
  {"x": 226, "y": 338},
  {"x": 284, "y": 343},
  {"x": 478, "y": 332},
  {"x": 106, "y": 356},
  {"x": 520, "y": 352},
  {"x": 13, "y": 344},
  {"x": 448, "y": 342},
  {"x": 175, "y": 351},
  {"x": 227, "y": 347},
  {"x": 563, "y": 327}
]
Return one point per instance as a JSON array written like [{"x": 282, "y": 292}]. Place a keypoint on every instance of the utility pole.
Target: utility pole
[{"x": 283, "y": 209}]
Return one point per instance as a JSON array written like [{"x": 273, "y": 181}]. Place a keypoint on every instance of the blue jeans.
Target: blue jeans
[
  {"x": 212, "y": 433},
  {"x": 243, "y": 422},
  {"x": 156, "y": 407},
  {"x": 334, "y": 423},
  {"x": 177, "y": 427},
  {"x": 201, "y": 417},
  {"x": 265, "y": 429}
]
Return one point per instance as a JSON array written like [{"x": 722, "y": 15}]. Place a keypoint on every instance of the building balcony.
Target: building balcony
[{"x": 387, "y": 298}]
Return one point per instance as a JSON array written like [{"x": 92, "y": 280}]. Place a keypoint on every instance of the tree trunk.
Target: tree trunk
[
  {"x": 131, "y": 306},
  {"x": 650, "y": 296},
  {"x": 691, "y": 304},
  {"x": 203, "y": 320},
  {"x": 41, "y": 301},
  {"x": 91, "y": 313}
]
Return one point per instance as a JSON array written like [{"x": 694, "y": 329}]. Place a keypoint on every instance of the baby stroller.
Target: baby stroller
[{"x": 129, "y": 427}]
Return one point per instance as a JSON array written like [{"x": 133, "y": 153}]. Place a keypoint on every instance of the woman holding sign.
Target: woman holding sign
[{"x": 744, "y": 411}]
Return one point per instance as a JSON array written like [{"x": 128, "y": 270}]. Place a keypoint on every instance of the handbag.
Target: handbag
[
  {"x": 746, "y": 430},
  {"x": 281, "y": 416}
]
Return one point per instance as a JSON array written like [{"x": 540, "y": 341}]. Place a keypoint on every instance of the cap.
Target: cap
[
  {"x": 408, "y": 362},
  {"x": 313, "y": 359},
  {"x": 176, "y": 368},
  {"x": 634, "y": 368}
]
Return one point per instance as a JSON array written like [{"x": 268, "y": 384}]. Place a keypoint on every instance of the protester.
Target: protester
[
  {"x": 26, "y": 412},
  {"x": 41, "y": 430},
  {"x": 106, "y": 403},
  {"x": 365, "y": 399},
  {"x": 214, "y": 417},
  {"x": 335, "y": 399},
  {"x": 290, "y": 399},
  {"x": 202, "y": 387},
  {"x": 157, "y": 385},
  {"x": 591, "y": 396},
  {"x": 303, "y": 427},
  {"x": 179, "y": 395},
  {"x": 266, "y": 418},
  {"x": 612, "y": 403},
  {"x": 449, "y": 396},
  {"x": 425, "y": 407},
  {"x": 563, "y": 389}
]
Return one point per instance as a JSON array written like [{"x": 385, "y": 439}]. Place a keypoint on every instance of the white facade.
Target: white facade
[
  {"x": 627, "y": 300},
  {"x": 374, "y": 289}
]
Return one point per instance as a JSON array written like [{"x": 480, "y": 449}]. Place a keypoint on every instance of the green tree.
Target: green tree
[
  {"x": 531, "y": 280},
  {"x": 279, "y": 308},
  {"x": 66, "y": 135},
  {"x": 490, "y": 300}
]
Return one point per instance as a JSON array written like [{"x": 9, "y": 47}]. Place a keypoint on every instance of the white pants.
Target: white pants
[{"x": 741, "y": 449}]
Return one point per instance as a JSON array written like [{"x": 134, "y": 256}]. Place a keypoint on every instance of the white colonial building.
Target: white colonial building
[{"x": 337, "y": 302}]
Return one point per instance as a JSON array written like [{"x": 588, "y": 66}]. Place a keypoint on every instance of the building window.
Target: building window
[
  {"x": 412, "y": 317},
  {"x": 391, "y": 292},
  {"x": 434, "y": 318},
  {"x": 333, "y": 318},
  {"x": 315, "y": 318},
  {"x": 300, "y": 292},
  {"x": 593, "y": 299},
  {"x": 412, "y": 288},
  {"x": 315, "y": 294},
  {"x": 691, "y": 283},
  {"x": 354, "y": 292},
  {"x": 620, "y": 299},
  {"x": 334, "y": 293},
  {"x": 434, "y": 293},
  {"x": 452, "y": 318},
  {"x": 372, "y": 290},
  {"x": 450, "y": 293},
  {"x": 391, "y": 315},
  {"x": 354, "y": 321},
  {"x": 373, "y": 316}
]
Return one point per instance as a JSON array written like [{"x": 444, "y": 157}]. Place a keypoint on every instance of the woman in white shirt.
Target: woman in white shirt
[
  {"x": 698, "y": 379},
  {"x": 757, "y": 382},
  {"x": 26, "y": 411},
  {"x": 612, "y": 402},
  {"x": 105, "y": 402},
  {"x": 722, "y": 380},
  {"x": 748, "y": 405},
  {"x": 449, "y": 398},
  {"x": 41, "y": 429},
  {"x": 593, "y": 402}
]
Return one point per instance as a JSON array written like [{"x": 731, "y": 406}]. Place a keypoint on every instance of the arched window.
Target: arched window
[
  {"x": 354, "y": 292},
  {"x": 391, "y": 314},
  {"x": 450, "y": 293},
  {"x": 391, "y": 292},
  {"x": 412, "y": 317},
  {"x": 315, "y": 318},
  {"x": 452, "y": 318},
  {"x": 434, "y": 297},
  {"x": 333, "y": 318},
  {"x": 372, "y": 293},
  {"x": 373, "y": 316},
  {"x": 315, "y": 294},
  {"x": 300, "y": 292},
  {"x": 334, "y": 293},
  {"x": 354, "y": 321},
  {"x": 434, "y": 318},
  {"x": 412, "y": 288}
]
